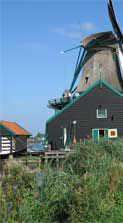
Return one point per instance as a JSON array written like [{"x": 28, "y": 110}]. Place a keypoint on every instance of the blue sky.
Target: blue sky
[{"x": 33, "y": 32}]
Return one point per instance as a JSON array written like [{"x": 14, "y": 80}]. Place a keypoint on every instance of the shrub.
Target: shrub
[{"x": 89, "y": 189}]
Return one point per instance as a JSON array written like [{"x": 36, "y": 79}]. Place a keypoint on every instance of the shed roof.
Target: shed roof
[{"x": 14, "y": 128}]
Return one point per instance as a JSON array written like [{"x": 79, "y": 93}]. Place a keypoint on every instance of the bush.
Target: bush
[{"x": 89, "y": 189}]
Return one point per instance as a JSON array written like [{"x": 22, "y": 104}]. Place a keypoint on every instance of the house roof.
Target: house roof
[
  {"x": 85, "y": 92},
  {"x": 14, "y": 128}
]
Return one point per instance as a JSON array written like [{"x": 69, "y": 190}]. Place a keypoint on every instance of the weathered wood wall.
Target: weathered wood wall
[
  {"x": 101, "y": 61},
  {"x": 10, "y": 143},
  {"x": 84, "y": 112}
]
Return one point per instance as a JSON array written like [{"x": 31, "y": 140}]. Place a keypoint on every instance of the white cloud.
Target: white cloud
[
  {"x": 88, "y": 26},
  {"x": 68, "y": 33},
  {"x": 76, "y": 30},
  {"x": 85, "y": 26}
]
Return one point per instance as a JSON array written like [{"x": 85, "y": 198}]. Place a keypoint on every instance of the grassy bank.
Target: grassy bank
[{"x": 87, "y": 189}]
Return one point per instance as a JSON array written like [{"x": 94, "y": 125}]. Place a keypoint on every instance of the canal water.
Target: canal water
[{"x": 35, "y": 147}]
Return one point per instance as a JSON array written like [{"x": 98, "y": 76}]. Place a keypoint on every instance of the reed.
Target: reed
[{"x": 87, "y": 189}]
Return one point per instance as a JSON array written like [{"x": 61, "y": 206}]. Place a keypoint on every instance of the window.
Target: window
[
  {"x": 101, "y": 113},
  {"x": 99, "y": 133},
  {"x": 104, "y": 133}
]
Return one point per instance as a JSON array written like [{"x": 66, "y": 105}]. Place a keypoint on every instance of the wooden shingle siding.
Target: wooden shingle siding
[
  {"x": 84, "y": 112},
  {"x": 4, "y": 132},
  {"x": 5, "y": 145},
  {"x": 19, "y": 143}
]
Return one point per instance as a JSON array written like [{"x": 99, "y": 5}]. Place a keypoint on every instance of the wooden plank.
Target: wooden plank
[
  {"x": 53, "y": 157},
  {"x": 55, "y": 152}
]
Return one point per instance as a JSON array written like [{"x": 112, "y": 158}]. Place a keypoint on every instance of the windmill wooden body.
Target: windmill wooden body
[
  {"x": 94, "y": 108},
  {"x": 101, "y": 61}
]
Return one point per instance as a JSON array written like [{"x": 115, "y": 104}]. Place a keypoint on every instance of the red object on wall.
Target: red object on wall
[{"x": 113, "y": 133}]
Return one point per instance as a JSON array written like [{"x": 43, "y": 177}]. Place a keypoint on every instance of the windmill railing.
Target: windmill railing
[{"x": 59, "y": 102}]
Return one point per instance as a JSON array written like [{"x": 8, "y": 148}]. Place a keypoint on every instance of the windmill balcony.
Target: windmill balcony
[{"x": 59, "y": 103}]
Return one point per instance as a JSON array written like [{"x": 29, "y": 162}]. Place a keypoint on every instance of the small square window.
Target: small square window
[{"x": 101, "y": 113}]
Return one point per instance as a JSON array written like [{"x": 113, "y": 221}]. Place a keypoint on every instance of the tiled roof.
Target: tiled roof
[{"x": 14, "y": 128}]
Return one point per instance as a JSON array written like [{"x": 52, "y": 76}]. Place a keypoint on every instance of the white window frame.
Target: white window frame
[{"x": 97, "y": 113}]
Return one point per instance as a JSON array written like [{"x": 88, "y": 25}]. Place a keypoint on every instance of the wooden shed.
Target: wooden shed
[
  {"x": 96, "y": 113},
  {"x": 13, "y": 138}
]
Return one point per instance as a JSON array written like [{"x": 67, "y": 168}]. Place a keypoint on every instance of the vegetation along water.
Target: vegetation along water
[{"x": 87, "y": 188}]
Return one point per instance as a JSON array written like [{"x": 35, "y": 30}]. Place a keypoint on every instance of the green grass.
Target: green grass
[{"x": 87, "y": 189}]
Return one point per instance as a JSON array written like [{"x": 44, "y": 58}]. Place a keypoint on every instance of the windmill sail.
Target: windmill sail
[
  {"x": 115, "y": 25},
  {"x": 120, "y": 58}
]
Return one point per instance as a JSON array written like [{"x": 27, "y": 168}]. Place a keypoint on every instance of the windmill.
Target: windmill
[
  {"x": 100, "y": 57},
  {"x": 99, "y": 50},
  {"x": 99, "y": 62}
]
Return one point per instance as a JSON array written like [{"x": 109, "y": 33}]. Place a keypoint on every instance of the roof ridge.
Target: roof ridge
[
  {"x": 82, "y": 94},
  {"x": 14, "y": 128}
]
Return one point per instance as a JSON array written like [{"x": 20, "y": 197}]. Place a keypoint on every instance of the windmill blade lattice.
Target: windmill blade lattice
[{"x": 115, "y": 25}]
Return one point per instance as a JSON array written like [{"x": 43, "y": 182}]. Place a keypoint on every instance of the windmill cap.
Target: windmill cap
[{"x": 102, "y": 38}]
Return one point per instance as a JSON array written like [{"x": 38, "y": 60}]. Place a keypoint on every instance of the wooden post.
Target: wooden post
[
  {"x": 57, "y": 161},
  {"x": 11, "y": 155},
  {"x": 26, "y": 159},
  {"x": 0, "y": 143},
  {"x": 11, "y": 144},
  {"x": 41, "y": 159},
  {"x": 46, "y": 160},
  {"x": 1, "y": 168}
]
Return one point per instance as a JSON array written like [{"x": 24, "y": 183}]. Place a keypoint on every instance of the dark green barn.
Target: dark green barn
[{"x": 96, "y": 113}]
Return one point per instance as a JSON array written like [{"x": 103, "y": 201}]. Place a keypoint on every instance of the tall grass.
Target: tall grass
[{"x": 89, "y": 189}]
